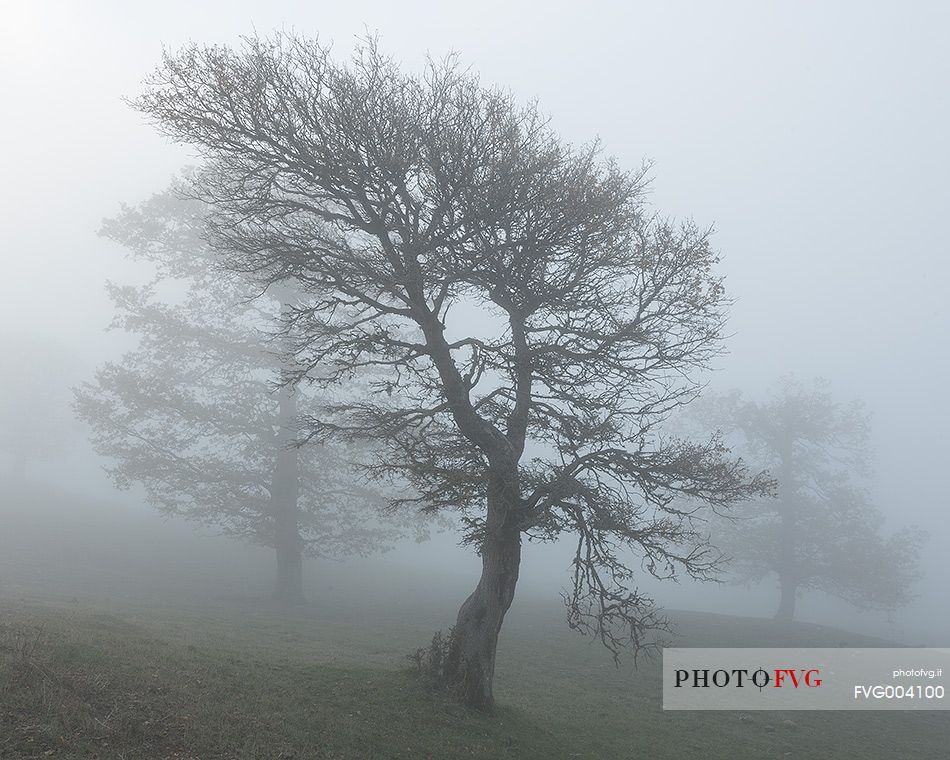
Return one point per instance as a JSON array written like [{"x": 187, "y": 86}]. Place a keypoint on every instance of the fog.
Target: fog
[{"x": 811, "y": 136}]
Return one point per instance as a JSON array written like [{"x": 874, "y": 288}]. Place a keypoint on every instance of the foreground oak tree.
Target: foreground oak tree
[{"x": 536, "y": 323}]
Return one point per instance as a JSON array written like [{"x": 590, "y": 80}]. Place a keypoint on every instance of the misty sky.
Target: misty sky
[{"x": 814, "y": 136}]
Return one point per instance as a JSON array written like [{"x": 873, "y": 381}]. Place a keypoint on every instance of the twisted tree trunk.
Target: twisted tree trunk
[{"x": 469, "y": 667}]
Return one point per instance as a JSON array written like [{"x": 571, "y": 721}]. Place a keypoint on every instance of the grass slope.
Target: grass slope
[{"x": 240, "y": 681}]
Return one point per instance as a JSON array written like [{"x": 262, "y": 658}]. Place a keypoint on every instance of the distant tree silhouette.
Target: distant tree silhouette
[
  {"x": 821, "y": 531},
  {"x": 197, "y": 413},
  {"x": 35, "y": 420}
]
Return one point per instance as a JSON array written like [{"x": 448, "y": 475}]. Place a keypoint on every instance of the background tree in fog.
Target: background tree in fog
[
  {"x": 195, "y": 415},
  {"x": 556, "y": 322},
  {"x": 35, "y": 424},
  {"x": 821, "y": 531}
]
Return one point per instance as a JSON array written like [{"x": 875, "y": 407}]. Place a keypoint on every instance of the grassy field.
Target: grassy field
[
  {"x": 122, "y": 637},
  {"x": 240, "y": 680}
]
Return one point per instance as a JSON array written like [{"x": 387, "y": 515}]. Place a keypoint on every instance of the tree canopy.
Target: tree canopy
[
  {"x": 537, "y": 323},
  {"x": 195, "y": 412}
]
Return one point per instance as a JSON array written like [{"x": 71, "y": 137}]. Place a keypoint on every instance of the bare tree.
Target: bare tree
[
  {"x": 196, "y": 413},
  {"x": 822, "y": 531},
  {"x": 407, "y": 199}
]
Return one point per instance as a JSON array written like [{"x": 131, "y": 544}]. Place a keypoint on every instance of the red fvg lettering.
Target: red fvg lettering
[{"x": 798, "y": 677}]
